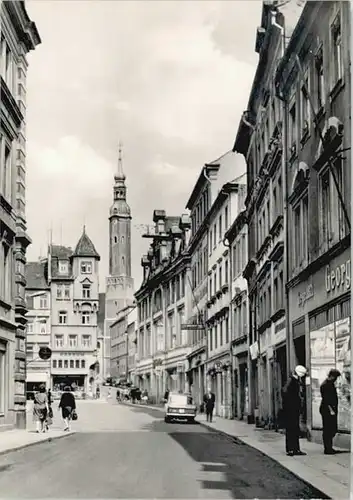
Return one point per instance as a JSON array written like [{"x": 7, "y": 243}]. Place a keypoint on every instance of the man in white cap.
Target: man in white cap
[{"x": 291, "y": 408}]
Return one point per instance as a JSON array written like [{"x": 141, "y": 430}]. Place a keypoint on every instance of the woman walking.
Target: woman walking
[
  {"x": 40, "y": 409},
  {"x": 68, "y": 407},
  {"x": 49, "y": 419}
]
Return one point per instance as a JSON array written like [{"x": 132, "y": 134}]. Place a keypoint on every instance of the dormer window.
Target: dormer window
[
  {"x": 86, "y": 267},
  {"x": 63, "y": 267}
]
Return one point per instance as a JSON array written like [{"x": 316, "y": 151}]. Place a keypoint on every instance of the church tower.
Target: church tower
[{"x": 119, "y": 291}]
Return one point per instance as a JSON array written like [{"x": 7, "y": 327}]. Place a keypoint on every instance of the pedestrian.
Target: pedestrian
[
  {"x": 209, "y": 401},
  {"x": 166, "y": 395},
  {"x": 49, "y": 419},
  {"x": 40, "y": 408},
  {"x": 138, "y": 395},
  {"x": 98, "y": 392},
  {"x": 329, "y": 410},
  {"x": 109, "y": 393},
  {"x": 292, "y": 404},
  {"x": 145, "y": 396},
  {"x": 68, "y": 407}
]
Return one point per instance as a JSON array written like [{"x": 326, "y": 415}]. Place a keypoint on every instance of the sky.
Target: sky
[{"x": 169, "y": 79}]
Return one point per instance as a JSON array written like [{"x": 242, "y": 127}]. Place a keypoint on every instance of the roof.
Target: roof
[
  {"x": 85, "y": 247},
  {"x": 60, "y": 251},
  {"x": 36, "y": 275}
]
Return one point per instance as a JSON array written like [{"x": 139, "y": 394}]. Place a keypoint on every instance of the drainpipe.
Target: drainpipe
[{"x": 285, "y": 206}]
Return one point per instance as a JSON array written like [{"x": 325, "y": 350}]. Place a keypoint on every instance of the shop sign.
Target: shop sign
[
  {"x": 338, "y": 279},
  {"x": 303, "y": 297}
]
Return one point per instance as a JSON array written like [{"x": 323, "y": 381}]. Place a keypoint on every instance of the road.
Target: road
[{"x": 128, "y": 452}]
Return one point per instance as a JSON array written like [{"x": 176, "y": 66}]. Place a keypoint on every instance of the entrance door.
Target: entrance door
[{"x": 300, "y": 354}]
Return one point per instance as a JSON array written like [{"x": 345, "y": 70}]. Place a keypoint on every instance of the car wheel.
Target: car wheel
[{"x": 167, "y": 420}]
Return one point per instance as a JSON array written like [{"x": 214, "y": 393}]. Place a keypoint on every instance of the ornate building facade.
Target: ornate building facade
[
  {"x": 73, "y": 278},
  {"x": 162, "y": 343},
  {"x": 119, "y": 283},
  {"x": 18, "y": 36}
]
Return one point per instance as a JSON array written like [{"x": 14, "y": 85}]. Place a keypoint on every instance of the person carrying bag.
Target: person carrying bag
[{"x": 68, "y": 407}]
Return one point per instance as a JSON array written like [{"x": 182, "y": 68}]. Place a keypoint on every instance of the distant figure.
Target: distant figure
[
  {"x": 329, "y": 410},
  {"x": 166, "y": 395},
  {"x": 98, "y": 392},
  {"x": 49, "y": 419},
  {"x": 68, "y": 406},
  {"x": 291, "y": 411},
  {"x": 138, "y": 395},
  {"x": 40, "y": 409},
  {"x": 209, "y": 402},
  {"x": 145, "y": 396},
  {"x": 109, "y": 393}
]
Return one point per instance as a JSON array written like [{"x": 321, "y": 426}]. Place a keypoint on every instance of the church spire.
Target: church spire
[{"x": 120, "y": 176}]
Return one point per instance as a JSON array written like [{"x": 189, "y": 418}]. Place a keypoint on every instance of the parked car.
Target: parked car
[{"x": 180, "y": 407}]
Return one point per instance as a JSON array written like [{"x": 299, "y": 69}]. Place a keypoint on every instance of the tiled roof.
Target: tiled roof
[
  {"x": 36, "y": 275},
  {"x": 60, "y": 251},
  {"x": 85, "y": 247}
]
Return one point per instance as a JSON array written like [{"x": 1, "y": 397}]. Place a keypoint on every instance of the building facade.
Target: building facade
[
  {"x": 73, "y": 278},
  {"x": 316, "y": 95},
  {"x": 132, "y": 346},
  {"x": 18, "y": 36},
  {"x": 119, "y": 344},
  {"x": 38, "y": 333},
  {"x": 236, "y": 240},
  {"x": 162, "y": 342},
  {"x": 259, "y": 139},
  {"x": 119, "y": 290}
]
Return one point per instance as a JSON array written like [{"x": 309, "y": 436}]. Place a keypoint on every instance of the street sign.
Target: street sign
[
  {"x": 192, "y": 327},
  {"x": 44, "y": 353}
]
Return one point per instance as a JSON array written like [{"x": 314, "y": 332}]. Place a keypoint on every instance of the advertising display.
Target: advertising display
[
  {"x": 330, "y": 347},
  {"x": 323, "y": 358},
  {"x": 343, "y": 364}
]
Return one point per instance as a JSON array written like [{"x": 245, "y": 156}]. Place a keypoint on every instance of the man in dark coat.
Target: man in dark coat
[
  {"x": 329, "y": 410},
  {"x": 209, "y": 401},
  {"x": 291, "y": 411}
]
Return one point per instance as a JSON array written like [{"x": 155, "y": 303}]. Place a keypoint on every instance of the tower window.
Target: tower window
[
  {"x": 123, "y": 261},
  {"x": 122, "y": 239},
  {"x": 115, "y": 239}
]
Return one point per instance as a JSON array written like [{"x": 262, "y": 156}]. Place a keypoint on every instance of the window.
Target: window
[
  {"x": 60, "y": 363},
  {"x": 320, "y": 81},
  {"x": 63, "y": 267},
  {"x": 43, "y": 302},
  {"x": 59, "y": 341},
  {"x": 86, "y": 317},
  {"x": 305, "y": 108},
  {"x": 293, "y": 128},
  {"x": 43, "y": 327},
  {"x": 220, "y": 276},
  {"x": 59, "y": 292},
  {"x": 220, "y": 228},
  {"x": 6, "y": 173},
  {"x": 215, "y": 235},
  {"x": 83, "y": 363},
  {"x": 71, "y": 363},
  {"x": 72, "y": 340},
  {"x": 336, "y": 51},
  {"x": 86, "y": 267},
  {"x": 86, "y": 340},
  {"x": 30, "y": 327},
  {"x": 226, "y": 272},
  {"x": 77, "y": 363},
  {"x": 67, "y": 292},
  {"x": 62, "y": 318},
  {"x": 297, "y": 236},
  {"x": 66, "y": 363},
  {"x": 86, "y": 291},
  {"x": 29, "y": 351},
  {"x": 326, "y": 223},
  {"x": 226, "y": 218},
  {"x": 55, "y": 363}
]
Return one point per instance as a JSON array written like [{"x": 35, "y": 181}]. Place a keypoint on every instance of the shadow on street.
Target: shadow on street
[{"x": 246, "y": 472}]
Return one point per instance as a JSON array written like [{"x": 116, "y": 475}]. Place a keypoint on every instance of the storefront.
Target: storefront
[
  {"x": 196, "y": 375},
  {"x": 320, "y": 312},
  {"x": 219, "y": 379},
  {"x": 7, "y": 352},
  {"x": 240, "y": 385}
]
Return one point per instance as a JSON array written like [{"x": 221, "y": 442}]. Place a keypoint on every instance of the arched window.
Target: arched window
[{"x": 115, "y": 239}]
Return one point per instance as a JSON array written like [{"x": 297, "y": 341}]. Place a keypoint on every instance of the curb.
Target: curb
[
  {"x": 27, "y": 445},
  {"x": 323, "y": 495}
]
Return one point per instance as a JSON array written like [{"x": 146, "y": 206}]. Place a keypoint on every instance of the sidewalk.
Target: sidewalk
[{"x": 328, "y": 473}]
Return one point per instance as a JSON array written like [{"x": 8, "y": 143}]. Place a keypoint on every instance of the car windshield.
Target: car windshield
[{"x": 180, "y": 399}]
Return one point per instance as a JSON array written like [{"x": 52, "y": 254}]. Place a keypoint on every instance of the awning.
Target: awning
[{"x": 36, "y": 377}]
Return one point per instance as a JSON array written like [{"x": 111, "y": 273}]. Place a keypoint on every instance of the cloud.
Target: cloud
[{"x": 169, "y": 79}]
